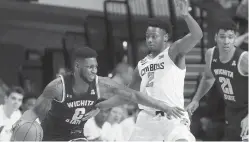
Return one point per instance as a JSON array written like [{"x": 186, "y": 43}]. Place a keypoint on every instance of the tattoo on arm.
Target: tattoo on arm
[
  {"x": 116, "y": 89},
  {"x": 52, "y": 91}
]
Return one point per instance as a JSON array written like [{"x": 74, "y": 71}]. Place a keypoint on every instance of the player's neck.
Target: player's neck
[
  {"x": 226, "y": 56},
  {"x": 155, "y": 53},
  {"x": 79, "y": 85},
  {"x": 8, "y": 110}
]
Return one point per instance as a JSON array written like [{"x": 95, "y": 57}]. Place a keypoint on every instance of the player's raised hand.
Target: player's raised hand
[
  {"x": 174, "y": 111},
  {"x": 192, "y": 107},
  {"x": 182, "y": 7},
  {"x": 244, "y": 127}
]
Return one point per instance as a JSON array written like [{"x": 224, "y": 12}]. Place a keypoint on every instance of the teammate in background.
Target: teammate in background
[
  {"x": 227, "y": 66},
  {"x": 161, "y": 75},
  {"x": 67, "y": 100},
  {"x": 9, "y": 112}
]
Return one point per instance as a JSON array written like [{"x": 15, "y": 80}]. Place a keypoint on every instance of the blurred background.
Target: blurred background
[{"x": 37, "y": 35}]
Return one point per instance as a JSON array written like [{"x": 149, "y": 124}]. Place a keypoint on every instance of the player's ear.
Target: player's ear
[
  {"x": 165, "y": 37},
  {"x": 215, "y": 37},
  {"x": 5, "y": 98}
]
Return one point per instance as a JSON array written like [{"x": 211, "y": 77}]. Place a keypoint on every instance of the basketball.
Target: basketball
[{"x": 27, "y": 131}]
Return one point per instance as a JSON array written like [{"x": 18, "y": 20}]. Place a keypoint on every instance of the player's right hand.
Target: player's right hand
[
  {"x": 192, "y": 107},
  {"x": 175, "y": 112}
]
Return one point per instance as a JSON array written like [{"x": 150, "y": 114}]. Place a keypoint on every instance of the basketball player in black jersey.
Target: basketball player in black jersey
[
  {"x": 67, "y": 100},
  {"x": 227, "y": 67}
]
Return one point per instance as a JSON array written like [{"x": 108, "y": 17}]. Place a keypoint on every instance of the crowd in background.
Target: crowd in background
[{"x": 117, "y": 123}]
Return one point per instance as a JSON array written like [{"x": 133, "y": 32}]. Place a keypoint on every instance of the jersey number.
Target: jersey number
[
  {"x": 226, "y": 85},
  {"x": 150, "y": 82},
  {"x": 78, "y": 114}
]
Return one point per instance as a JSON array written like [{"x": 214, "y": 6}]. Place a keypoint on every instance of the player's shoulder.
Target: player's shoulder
[
  {"x": 105, "y": 82},
  {"x": 56, "y": 83},
  {"x": 55, "y": 87},
  {"x": 102, "y": 79},
  {"x": 144, "y": 60}
]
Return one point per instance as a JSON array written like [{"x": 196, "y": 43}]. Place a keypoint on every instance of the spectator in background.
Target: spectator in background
[
  {"x": 28, "y": 102},
  {"x": 122, "y": 74},
  {"x": 128, "y": 124},
  {"x": 112, "y": 130},
  {"x": 9, "y": 112},
  {"x": 3, "y": 89},
  {"x": 93, "y": 127},
  {"x": 242, "y": 10},
  {"x": 62, "y": 71}
]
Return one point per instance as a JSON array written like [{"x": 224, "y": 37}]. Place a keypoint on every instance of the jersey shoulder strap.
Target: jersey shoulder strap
[
  {"x": 97, "y": 86},
  {"x": 63, "y": 90}
]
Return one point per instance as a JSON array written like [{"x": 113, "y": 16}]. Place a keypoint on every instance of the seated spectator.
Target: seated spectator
[
  {"x": 93, "y": 127},
  {"x": 111, "y": 130},
  {"x": 123, "y": 73},
  {"x": 28, "y": 102},
  {"x": 9, "y": 112},
  {"x": 128, "y": 124}
]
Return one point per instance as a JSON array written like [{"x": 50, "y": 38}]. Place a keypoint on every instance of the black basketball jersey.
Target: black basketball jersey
[
  {"x": 63, "y": 121},
  {"x": 231, "y": 84}
]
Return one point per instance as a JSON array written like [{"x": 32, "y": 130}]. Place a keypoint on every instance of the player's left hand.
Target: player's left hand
[
  {"x": 244, "y": 127},
  {"x": 182, "y": 7},
  {"x": 91, "y": 114}
]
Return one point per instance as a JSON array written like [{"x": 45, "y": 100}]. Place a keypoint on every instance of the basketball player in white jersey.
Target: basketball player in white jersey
[{"x": 161, "y": 75}]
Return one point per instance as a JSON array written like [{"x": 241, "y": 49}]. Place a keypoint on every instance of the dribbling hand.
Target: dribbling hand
[
  {"x": 174, "y": 111},
  {"x": 182, "y": 7},
  {"x": 192, "y": 107}
]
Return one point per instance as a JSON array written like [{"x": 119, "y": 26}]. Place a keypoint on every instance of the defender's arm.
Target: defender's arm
[
  {"x": 138, "y": 97},
  {"x": 207, "y": 80},
  {"x": 184, "y": 45}
]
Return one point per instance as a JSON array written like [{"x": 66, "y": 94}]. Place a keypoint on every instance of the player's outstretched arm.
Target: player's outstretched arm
[
  {"x": 118, "y": 100},
  {"x": 137, "y": 97},
  {"x": 52, "y": 91},
  {"x": 184, "y": 45},
  {"x": 205, "y": 85}
]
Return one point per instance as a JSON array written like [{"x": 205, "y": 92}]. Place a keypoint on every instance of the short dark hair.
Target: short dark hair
[
  {"x": 28, "y": 96},
  {"x": 226, "y": 25},
  {"x": 162, "y": 24},
  {"x": 84, "y": 52},
  {"x": 15, "y": 89}
]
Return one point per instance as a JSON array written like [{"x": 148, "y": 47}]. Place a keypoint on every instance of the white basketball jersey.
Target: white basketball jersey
[{"x": 162, "y": 79}]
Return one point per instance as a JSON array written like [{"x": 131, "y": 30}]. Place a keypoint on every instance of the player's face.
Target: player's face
[
  {"x": 225, "y": 39},
  {"x": 87, "y": 68},
  {"x": 155, "y": 38},
  {"x": 14, "y": 100}
]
